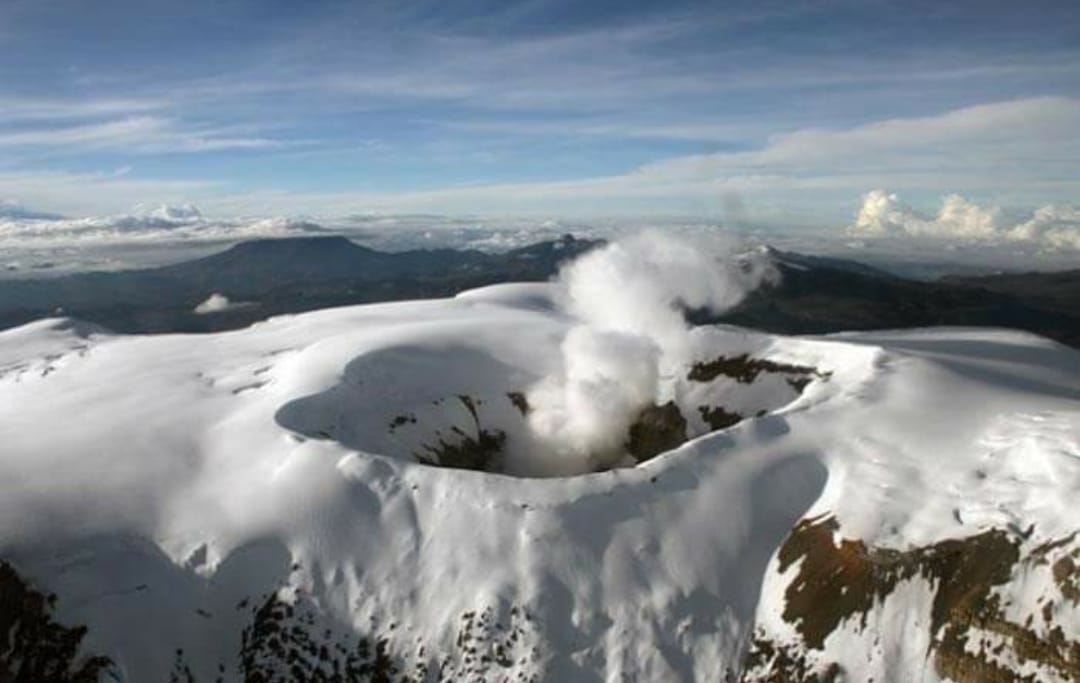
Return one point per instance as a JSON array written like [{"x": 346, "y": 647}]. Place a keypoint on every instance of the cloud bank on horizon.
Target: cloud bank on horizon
[
  {"x": 763, "y": 114},
  {"x": 883, "y": 214},
  {"x": 885, "y": 231}
]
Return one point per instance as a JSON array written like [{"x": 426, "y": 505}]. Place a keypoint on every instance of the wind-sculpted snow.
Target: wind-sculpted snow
[
  {"x": 253, "y": 505},
  {"x": 942, "y": 547}
]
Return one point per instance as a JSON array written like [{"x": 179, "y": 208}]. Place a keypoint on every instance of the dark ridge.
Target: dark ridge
[
  {"x": 252, "y": 268},
  {"x": 817, "y": 295},
  {"x": 273, "y": 276},
  {"x": 1062, "y": 289},
  {"x": 319, "y": 245},
  {"x": 790, "y": 259}
]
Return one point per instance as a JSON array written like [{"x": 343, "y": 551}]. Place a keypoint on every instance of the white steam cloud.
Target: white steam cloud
[
  {"x": 883, "y": 214},
  {"x": 629, "y": 300},
  {"x": 216, "y": 303}
]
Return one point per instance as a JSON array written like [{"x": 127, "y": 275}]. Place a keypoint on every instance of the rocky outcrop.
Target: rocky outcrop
[
  {"x": 658, "y": 428},
  {"x": 34, "y": 647},
  {"x": 840, "y": 583},
  {"x": 745, "y": 370}
]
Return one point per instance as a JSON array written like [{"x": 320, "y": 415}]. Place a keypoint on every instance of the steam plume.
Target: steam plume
[{"x": 629, "y": 299}]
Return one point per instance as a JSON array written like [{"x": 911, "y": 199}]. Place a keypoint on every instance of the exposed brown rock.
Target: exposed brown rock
[
  {"x": 745, "y": 370},
  {"x": 718, "y": 418},
  {"x": 1067, "y": 577},
  {"x": 841, "y": 579},
  {"x": 767, "y": 662},
  {"x": 481, "y": 451},
  {"x": 657, "y": 429}
]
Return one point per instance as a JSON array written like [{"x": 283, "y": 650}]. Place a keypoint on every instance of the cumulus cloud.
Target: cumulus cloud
[
  {"x": 962, "y": 219},
  {"x": 629, "y": 300},
  {"x": 1056, "y": 226},
  {"x": 880, "y": 214},
  {"x": 883, "y": 214}
]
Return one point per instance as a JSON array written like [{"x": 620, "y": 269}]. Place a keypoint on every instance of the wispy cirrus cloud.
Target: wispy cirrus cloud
[
  {"x": 140, "y": 135},
  {"x": 96, "y": 193},
  {"x": 24, "y": 109},
  {"x": 1025, "y": 130},
  {"x": 701, "y": 130},
  {"x": 1023, "y": 151}
]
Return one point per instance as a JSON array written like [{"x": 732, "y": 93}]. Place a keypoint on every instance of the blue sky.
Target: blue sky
[{"x": 766, "y": 113}]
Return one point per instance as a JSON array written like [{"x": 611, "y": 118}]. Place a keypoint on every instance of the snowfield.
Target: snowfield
[{"x": 268, "y": 504}]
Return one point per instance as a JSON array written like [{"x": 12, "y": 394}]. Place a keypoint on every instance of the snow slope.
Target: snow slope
[{"x": 214, "y": 507}]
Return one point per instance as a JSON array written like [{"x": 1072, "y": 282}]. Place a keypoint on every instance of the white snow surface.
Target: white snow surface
[{"x": 153, "y": 482}]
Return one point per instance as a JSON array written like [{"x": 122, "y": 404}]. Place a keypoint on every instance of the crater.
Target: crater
[{"x": 461, "y": 407}]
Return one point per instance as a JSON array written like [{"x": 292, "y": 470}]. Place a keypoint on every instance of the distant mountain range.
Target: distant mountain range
[
  {"x": 818, "y": 295},
  {"x": 815, "y": 294},
  {"x": 273, "y": 276}
]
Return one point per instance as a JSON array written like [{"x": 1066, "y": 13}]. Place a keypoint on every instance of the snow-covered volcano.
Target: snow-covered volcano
[{"x": 314, "y": 498}]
